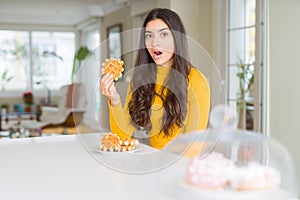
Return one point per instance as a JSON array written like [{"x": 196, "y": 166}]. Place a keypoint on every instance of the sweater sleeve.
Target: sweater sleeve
[
  {"x": 120, "y": 119},
  {"x": 199, "y": 105}
]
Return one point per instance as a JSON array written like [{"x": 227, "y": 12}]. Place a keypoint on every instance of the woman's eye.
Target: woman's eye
[
  {"x": 147, "y": 36},
  {"x": 164, "y": 34}
]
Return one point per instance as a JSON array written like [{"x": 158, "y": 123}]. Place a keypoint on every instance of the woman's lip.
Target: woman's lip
[{"x": 157, "y": 54}]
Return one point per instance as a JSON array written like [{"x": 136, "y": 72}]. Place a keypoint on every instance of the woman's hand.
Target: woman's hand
[{"x": 107, "y": 88}]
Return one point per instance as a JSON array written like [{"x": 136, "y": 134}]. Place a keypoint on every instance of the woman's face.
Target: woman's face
[{"x": 159, "y": 42}]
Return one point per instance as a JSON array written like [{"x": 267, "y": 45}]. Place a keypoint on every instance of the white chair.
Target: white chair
[{"x": 69, "y": 112}]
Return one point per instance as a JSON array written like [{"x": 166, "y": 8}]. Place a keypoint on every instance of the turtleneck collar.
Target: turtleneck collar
[{"x": 163, "y": 70}]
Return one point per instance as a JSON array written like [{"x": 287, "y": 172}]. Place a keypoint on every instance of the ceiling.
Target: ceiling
[{"x": 54, "y": 12}]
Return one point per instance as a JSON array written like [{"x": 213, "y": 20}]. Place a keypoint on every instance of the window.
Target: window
[
  {"x": 90, "y": 37},
  {"x": 14, "y": 60},
  {"x": 35, "y": 60},
  {"x": 241, "y": 58},
  {"x": 52, "y": 59}
]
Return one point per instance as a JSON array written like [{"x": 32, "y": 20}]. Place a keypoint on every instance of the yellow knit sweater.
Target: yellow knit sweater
[{"x": 197, "y": 110}]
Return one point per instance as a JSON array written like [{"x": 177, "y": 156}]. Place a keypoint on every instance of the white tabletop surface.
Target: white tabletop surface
[
  {"x": 62, "y": 168},
  {"x": 70, "y": 168}
]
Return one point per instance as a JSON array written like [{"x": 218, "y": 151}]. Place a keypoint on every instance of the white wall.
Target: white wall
[
  {"x": 197, "y": 19},
  {"x": 284, "y": 73}
]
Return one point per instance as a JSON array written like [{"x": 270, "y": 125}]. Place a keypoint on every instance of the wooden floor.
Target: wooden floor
[{"x": 82, "y": 128}]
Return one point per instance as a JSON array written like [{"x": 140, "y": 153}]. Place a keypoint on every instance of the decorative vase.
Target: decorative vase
[{"x": 28, "y": 108}]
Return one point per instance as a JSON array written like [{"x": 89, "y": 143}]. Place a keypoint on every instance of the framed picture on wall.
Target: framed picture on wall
[{"x": 114, "y": 41}]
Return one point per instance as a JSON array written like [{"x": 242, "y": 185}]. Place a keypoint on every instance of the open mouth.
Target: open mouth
[{"x": 157, "y": 53}]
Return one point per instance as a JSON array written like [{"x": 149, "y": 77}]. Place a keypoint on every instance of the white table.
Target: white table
[
  {"x": 61, "y": 168},
  {"x": 69, "y": 168}
]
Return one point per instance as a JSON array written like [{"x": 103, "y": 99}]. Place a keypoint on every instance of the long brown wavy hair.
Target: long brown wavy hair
[{"x": 142, "y": 85}]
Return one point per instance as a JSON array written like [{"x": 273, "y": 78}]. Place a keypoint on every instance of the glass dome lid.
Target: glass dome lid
[{"x": 237, "y": 157}]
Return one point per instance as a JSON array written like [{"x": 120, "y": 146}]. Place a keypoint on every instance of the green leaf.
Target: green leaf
[
  {"x": 5, "y": 77},
  {"x": 73, "y": 68},
  {"x": 82, "y": 53},
  {"x": 4, "y": 74},
  {"x": 10, "y": 78}
]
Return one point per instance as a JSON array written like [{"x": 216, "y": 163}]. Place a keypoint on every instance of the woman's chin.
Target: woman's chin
[{"x": 164, "y": 64}]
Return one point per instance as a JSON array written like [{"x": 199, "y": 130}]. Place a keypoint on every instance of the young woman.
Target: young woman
[{"x": 167, "y": 96}]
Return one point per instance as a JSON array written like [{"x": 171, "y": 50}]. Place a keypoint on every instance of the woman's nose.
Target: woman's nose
[{"x": 155, "y": 41}]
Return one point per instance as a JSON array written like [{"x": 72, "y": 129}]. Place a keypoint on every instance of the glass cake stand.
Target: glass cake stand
[{"x": 241, "y": 147}]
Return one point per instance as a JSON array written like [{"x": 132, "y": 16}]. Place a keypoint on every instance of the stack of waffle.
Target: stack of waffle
[{"x": 113, "y": 143}]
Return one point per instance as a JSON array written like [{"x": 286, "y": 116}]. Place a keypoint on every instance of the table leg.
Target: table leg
[{"x": 0, "y": 122}]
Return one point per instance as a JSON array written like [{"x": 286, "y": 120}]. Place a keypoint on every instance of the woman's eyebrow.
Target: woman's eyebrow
[{"x": 160, "y": 30}]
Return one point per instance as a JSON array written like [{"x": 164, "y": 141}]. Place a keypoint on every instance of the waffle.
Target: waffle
[
  {"x": 114, "y": 67},
  {"x": 113, "y": 143},
  {"x": 110, "y": 142},
  {"x": 128, "y": 144}
]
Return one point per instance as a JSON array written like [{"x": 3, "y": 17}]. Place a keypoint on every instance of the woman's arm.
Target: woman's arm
[
  {"x": 119, "y": 117},
  {"x": 198, "y": 104},
  {"x": 107, "y": 88}
]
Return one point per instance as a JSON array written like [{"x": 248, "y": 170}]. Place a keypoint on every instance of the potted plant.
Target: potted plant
[
  {"x": 245, "y": 75},
  {"x": 28, "y": 100},
  {"x": 81, "y": 54},
  {"x": 4, "y": 108}
]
